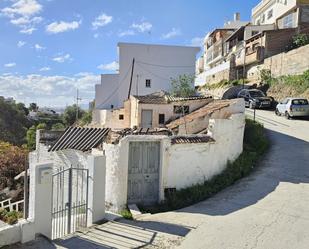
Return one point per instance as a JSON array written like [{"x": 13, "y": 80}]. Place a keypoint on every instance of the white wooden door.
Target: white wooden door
[
  {"x": 143, "y": 173},
  {"x": 146, "y": 119}
]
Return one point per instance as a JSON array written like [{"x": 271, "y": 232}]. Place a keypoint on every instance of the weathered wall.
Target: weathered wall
[
  {"x": 194, "y": 163},
  {"x": 180, "y": 165},
  {"x": 199, "y": 124},
  {"x": 167, "y": 110},
  {"x": 291, "y": 63}
]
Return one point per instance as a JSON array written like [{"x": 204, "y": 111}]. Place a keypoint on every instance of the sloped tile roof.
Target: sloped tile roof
[
  {"x": 201, "y": 112},
  {"x": 191, "y": 139},
  {"x": 165, "y": 98}
]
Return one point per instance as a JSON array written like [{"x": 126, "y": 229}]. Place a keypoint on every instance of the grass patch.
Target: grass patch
[
  {"x": 299, "y": 83},
  {"x": 224, "y": 84},
  {"x": 126, "y": 214},
  {"x": 255, "y": 145}
]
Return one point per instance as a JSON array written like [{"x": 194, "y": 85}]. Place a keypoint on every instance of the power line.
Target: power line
[
  {"x": 155, "y": 75},
  {"x": 117, "y": 88}
]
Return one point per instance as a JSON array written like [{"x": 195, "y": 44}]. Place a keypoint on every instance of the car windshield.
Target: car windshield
[
  {"x": 299, "y": 102},
  {"x": 255, "y": 94}
]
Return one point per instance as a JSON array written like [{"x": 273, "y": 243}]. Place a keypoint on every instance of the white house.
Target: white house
[{"x": 151, "y": 71}]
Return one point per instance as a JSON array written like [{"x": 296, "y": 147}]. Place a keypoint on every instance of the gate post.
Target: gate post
[
  {"x": 96, "y": 188},
  {"x": 41, "y": 198}
]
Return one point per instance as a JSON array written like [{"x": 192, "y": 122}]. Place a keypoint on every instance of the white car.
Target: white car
[{"x": 293, "y": 107}]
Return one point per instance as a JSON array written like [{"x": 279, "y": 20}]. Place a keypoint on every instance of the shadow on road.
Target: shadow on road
[
  {"x": 123, "y": 234},
  {"x": 287, "y": 161}
]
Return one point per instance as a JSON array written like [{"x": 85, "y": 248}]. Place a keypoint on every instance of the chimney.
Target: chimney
[{"x": 237, "y": 16}]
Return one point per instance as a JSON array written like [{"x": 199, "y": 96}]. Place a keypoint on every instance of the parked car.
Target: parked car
[
  {"x": 293, "y": 107},
  {"x": 255, "y": 98}
]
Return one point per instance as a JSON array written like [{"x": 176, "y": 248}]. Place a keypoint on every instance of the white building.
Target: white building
[
  {"x": 154, "y": 66},
  {"x": 268, "y": 11}
]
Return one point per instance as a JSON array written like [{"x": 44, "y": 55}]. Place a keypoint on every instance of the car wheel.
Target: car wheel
[
  {"x": 287, "y": 115},
  {"x": 277, "y": 112}
]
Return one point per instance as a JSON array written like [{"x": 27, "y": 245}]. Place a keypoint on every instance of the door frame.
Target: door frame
[{"x": 160, "y": 171}]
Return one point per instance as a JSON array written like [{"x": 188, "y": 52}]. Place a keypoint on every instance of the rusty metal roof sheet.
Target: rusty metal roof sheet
[
  {"x": 191, "y": 139},
  {"x": 80, "y": 138}
]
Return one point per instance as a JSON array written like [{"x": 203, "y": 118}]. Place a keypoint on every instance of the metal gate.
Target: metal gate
[{"x": 69, "y": 201}]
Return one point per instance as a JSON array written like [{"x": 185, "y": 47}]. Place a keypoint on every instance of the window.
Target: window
[
  {"x": 263, "y": 18},
  {"x": 178, "y": 109},
  {"x": 161, "y": 118},
  {"x": 255, "y": 47},
  {"x": 270, "y": 14},
  {"x": 148, "y": 83},
  {"x": 121, "y": 117},
  {"x": 254, "y": 32},
  {"x": 288, "y": 21}
]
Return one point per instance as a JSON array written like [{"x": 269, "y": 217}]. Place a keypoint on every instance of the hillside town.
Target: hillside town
[{"x": 181, "y": 146}]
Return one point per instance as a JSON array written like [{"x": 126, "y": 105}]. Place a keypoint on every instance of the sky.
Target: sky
[{"x": 49, "y": 48}]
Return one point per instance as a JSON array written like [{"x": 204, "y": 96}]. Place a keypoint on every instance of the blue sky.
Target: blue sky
[{"x": 49, "y": 48}]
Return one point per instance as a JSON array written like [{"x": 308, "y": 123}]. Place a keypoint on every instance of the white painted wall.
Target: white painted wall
[
  {"x": 173, "y": 61},
  {"x": 279, "y": 7},
  {"x": 181, "y": 165},
  {"x": 200, "y": 79}
]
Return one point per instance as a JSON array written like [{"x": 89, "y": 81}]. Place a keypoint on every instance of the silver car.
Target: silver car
[{"x": 293, "y": 107}]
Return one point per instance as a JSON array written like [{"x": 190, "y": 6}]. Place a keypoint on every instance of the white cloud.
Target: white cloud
[
  {"x": 22, "y": 14},
  {"x": 27, "y": 31},
  {"x": 11, "y": 64},
  {"x": 96, "y": 35},
  {"x": 173, "y": 33},
  {"x": 44, "y": 69},
  {"x": 22, "y": 8},
  {"x": 142, "y": 27},
  {"x": 197, "y": 41},
  {"x": 59, "y": 27},
  {"x": 101, "y": 21},
  {"x": 54, "y": 90},
  {"x": 126, "y": 33},
  {"x": 113, "y": 66},
  {"x": 38, "y": 47},
  {"x": 21, "y": 44},
  {"x": 62, "y": 58}
]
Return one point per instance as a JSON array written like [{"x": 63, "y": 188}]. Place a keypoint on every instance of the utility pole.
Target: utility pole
[
  {"x": 132, "y": 71},
  {"x": 77, "y": 99}
]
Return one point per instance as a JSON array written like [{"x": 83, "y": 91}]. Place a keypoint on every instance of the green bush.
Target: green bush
[
  {"x": 126, "y": 214},
  {"x": 10, "y": 217},
  {"x": 300, "y": 40},
  {"x": 255, "y": 145}
]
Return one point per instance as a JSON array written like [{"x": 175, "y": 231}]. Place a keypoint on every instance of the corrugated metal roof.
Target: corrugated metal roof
[
  {"x": 79, "y": 138},
  {"x": 191, "y": 139}
]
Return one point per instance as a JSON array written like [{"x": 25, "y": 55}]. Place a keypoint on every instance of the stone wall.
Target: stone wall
[{"x": 293, "y": 62}]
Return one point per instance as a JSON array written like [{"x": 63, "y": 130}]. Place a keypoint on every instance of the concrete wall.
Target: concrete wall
[
  {"x": 214, "y": 75},
  {"x": 181, "y": 165},
  {"x": 194, "y": 163},
  {"x": 173, "y": 61},
  {"x": 291, "y": 63},
  {"x": 166, "y": 109}
]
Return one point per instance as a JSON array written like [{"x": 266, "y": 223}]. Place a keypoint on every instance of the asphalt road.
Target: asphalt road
[{"x": 269, "y": 209}]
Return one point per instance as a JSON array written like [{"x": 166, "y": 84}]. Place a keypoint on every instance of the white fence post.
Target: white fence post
[
  {"x": 96, "y": 189},
  {"x": 40, "y": 201}
]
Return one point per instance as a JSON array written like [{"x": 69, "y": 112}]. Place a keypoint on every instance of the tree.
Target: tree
[
  {"x": 58, "y": 126},
  {"x": 87, "y": 118},
  {"x": 13, "y": 122},
  {"x": 69, "y": 115},
  {"x": 31, "y": 138},
  {"x": 12, "y": 163},
  {"x": 183, "y": 86},
  {"x": 33, "y": 107}
]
